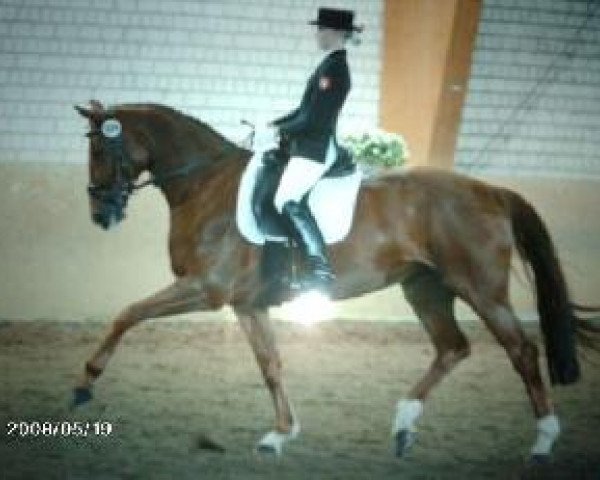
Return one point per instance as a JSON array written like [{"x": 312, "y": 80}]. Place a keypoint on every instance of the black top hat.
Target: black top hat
[{"x": 336, "y": 19}]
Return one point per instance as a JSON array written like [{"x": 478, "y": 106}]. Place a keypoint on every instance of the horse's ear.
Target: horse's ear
[
  {"x": 84, "y": 112},
  {"x": 97, "y": 106},
  {"x": 95, "y": 112}
]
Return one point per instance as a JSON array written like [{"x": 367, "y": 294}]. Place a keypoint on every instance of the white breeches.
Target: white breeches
[{"x": 300, "y": 175}]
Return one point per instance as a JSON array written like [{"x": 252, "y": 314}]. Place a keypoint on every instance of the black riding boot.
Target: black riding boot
[
  {"x": 275, "y": 274},
  {"x": 308, "y": 236}
]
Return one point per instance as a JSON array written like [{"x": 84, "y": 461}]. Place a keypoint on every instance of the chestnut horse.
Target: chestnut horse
[{"x": 440, "y": 235}]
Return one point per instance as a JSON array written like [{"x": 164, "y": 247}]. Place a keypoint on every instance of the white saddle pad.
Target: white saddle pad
[{"x": 332, "y": 202}]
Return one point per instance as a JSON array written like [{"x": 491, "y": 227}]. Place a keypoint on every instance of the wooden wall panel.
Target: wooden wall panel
[{"x": 427, "y": 44}]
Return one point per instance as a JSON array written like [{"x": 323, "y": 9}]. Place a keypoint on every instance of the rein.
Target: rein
[{"x": 159, "y": 180}]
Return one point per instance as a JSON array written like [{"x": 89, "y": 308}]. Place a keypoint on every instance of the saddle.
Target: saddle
[{"x": 271, "y": 222}]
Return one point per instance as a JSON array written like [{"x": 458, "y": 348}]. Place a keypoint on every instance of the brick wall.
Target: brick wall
[
  {"x": 218, "y": 60},
  {"x": 533, "y": 103}
]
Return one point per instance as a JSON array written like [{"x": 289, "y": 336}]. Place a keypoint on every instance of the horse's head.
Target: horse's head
[{"x": 116, "y": 159}]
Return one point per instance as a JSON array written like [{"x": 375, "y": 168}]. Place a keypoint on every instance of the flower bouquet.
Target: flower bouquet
[{"x": 377, "y": 149}]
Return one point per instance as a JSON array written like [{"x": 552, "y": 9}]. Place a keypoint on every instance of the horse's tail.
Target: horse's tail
[{"x": 560, "y": 326}]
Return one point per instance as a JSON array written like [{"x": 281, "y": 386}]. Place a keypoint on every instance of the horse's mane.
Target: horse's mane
[{"x": 174, "y": 113}]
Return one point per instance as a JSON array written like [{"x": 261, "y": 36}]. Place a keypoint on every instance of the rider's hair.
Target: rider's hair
[{"x": 353, "y": 36}]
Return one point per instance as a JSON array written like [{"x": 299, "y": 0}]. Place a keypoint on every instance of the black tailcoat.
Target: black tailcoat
[{"x": 311, "y": 126}]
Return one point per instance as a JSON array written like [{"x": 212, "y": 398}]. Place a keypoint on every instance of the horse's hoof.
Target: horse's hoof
[
  {"x": 81, "y": 395},
  {"x": 404, "y": 440},
  {"x": 539, "y": 459}
]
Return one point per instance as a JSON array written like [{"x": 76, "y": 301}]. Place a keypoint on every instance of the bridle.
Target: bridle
[
  {"x": 117, "y": 193},
  {"x": 110, "y": 136}
]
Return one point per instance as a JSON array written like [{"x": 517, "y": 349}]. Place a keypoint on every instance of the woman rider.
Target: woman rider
[{"x": 310, "y": 130}]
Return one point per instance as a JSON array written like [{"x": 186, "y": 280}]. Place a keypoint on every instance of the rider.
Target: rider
[{"x": 310, "y": 131}]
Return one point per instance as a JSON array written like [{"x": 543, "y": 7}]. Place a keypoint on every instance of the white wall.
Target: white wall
[
  {"x": 218, "y": 60},
  {"x": 533, "y": 103}
]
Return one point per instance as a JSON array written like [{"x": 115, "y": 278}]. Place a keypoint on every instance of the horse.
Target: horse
[{"x": 441, "y": 235}]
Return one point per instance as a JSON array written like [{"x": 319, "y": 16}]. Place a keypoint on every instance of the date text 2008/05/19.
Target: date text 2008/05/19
[{"x": 61, "y": 428}]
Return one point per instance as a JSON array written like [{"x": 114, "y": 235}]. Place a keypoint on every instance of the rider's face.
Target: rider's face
[{"x": 327, "y": 37}]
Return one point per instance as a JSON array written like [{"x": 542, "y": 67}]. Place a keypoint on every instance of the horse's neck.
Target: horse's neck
[
  {"x": 210, "y": 174},
  {"x": 187, "y": 154}
]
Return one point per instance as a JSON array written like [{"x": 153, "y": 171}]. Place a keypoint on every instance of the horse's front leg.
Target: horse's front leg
[
  {"x": 183, "y": 296},
  {"x": 257, "y": 326}
]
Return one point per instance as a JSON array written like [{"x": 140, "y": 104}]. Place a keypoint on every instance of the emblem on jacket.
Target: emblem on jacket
[{"x": 324, "y": 83}]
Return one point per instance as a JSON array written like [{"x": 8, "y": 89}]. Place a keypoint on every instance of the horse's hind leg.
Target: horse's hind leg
[
  {"x": 257, "y": 326},
  {"x": 523, "y": 353},
  {"x": 181, "y": 297},
  {"x": 433, "y": 303}
]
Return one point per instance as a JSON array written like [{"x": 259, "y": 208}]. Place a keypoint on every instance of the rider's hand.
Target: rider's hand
[
  {"x": 274, "y": 129},
  {"x": 267, "y": 136}
]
